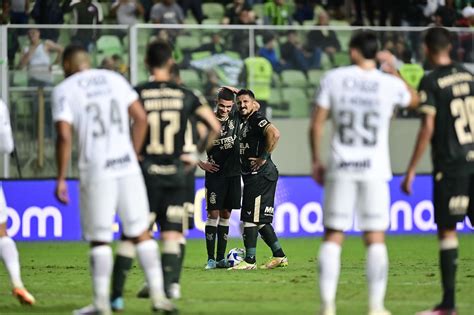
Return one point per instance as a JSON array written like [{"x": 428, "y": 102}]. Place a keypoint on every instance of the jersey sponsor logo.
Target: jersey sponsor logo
[
  {"x": 359, "y": 165},
  {"x": 213, "y": 198},
  {"x": 156, "y": 169},
  {"x": 458, "y": 205},
  {"x": 118, "y": 162},
  {"x": 243, "y": 147},
  {"x": 225, "y": 143},
  {"x": 268, "y": 211},
  {"x": 263, "y": 123}
]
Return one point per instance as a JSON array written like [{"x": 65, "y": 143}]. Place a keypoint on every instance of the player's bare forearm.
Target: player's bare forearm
[
  {"x": 139, "y": 127},
  {"x": 63, "y": 148},
  {"x": 272, "y": 135},
  {"x": 316, "y": 131},
  {"x": 424, "y": 137}
]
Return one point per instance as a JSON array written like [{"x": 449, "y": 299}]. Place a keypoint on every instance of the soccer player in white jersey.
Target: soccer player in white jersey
[
  {"x": 8, "y": 251},
  {"x": 98, "y": 105},
  {"x": 360, "y": 100}
]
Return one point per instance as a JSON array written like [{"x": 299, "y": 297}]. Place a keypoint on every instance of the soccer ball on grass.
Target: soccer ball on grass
[{"x": 235, "y": 256}]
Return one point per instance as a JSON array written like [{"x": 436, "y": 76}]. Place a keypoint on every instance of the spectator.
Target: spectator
[
  {"x": 36, "y": 57},
  {"x": 322, "y": 41},
  {"x": 147, "y": 5},
  {"x": 294, "y": 57},
  {"x": 215, "y": 46},
  {"x": 239, "y": 41},
  {"x": 85, "y": 12},
  {"x": 19, "y": 11},
  {"x": 277, "y": 12},
  {"x": 369, "y": 11},
  {"x": 167, "y": 12},
  {"x": 48, "y": 12},
  {"x": 268, "y": 52},
  {"x": 195, "y": 6},
  {"x": 233, "y": 11},
  {"x": 304, "y": 11},
  {"x": 445, "y": 16},
  {"x": 114, "y": 63},
  {"x": 128, "y": 12}
]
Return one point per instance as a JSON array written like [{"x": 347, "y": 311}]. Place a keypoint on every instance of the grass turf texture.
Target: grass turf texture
[{"x": 58, "y": 275}]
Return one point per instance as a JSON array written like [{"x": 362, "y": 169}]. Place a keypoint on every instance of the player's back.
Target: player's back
[
  {"x": 96, "y": 103},
  {"x": 361, "y": 103},
  {"x": 169, "y": 107},
  {"x": 449, "y": 92}
]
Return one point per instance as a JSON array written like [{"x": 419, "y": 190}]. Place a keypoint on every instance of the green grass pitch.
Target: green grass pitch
[{"x": 58, "y": 275}]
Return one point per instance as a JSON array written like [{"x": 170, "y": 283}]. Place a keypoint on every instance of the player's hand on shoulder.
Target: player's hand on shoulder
[
  {"x": 407, "y": 183},
  {"x": 208, "y": 166},
  {"x": 256, "y": 163},
  {"x": 61, "y": 192},
  {"x": 318, "y": 172}
]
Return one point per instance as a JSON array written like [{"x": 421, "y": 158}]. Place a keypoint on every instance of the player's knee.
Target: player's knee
[
  {"x": 224, "y": 214},
  {"x": 126, "y": 249},
  {"x": 224, "y": 221},
  {"x": 374, "y": 237},
  {"x": 447, "y": 232},
  {"x": 334, "y": 236},
  {"x": 211, "y": 222},
  {"x": 213, "y": 214},
  {"x": 3, "y": 230}
]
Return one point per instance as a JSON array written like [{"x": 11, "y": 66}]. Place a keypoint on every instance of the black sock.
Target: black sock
[
  {"x": 222, "y": 232},
  {"x": 250, "y": 242},
  {"x": 180, "y": 263},
  {"x": 448, "y": 264},
  {"x": 170, "y": 263},
  {"x": 211, "y": 232},
  {"x": 122, "y": 266},
  {"x": 269, "y": 237}
]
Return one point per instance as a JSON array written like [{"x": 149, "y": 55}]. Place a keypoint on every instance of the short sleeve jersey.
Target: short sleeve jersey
[
  {"x": 6, "y": 138},
  {"x": 448, "y": 93},
  {"x": 253, "y": 143},
  {"x": 361, "y": 104},
  {"x": 224, "y": 151},
  {"x": 169, "y": 108},
  {"x": 95, "y": 102}
]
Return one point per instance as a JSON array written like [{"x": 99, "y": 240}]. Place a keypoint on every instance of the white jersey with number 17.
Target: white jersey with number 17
[
  {"x": 361, "y": 103},
  {"x": 95, "y": 103}
]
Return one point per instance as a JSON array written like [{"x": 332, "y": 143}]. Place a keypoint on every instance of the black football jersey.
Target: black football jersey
[
  {"x": 169, "y": 109},
  {"x": 448, "y": 93},
  {"x": 224, "y": 151},
  {"x": 253, "y": 142}
]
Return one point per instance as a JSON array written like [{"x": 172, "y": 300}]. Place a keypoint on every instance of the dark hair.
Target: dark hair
[
  {"x": 437, "y": 39},
  {"x": 158, "y": 53},
  {"x": 71, "y": 50},
  {"x": 365, "y": 42},
  {"x": 246, "y": 92},
  {"x": 225, "y": 94},
  {"x": 267, "y": 37},
  {"x": 174, "y": 71}
]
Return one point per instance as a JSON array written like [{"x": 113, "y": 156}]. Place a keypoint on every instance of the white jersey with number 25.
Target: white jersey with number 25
[
  {"x": 95, "y": 102},
  {"x": 361, "y": 103}
]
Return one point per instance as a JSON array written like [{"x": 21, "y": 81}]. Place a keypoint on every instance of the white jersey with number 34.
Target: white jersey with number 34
[
  {"x": 95, "y": 103},
  {"x": 361, "y": 103}
]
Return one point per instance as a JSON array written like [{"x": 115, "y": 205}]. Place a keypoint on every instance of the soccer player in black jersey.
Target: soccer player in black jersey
[
  {"x": 258, "y": 138},
  {"x": 169, "y": 107},
  {"x": 222, "y": 179},
  {"x": 447, "y": 102}
]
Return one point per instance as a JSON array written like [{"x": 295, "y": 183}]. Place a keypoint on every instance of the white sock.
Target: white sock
[
  {"x": 329, "y": 268},
  {"x": 149, "y": 258},
  {"x": 101, "y": 268},
  {"x": 9, "y": 255},
  {"x": 377, "y": 274}
]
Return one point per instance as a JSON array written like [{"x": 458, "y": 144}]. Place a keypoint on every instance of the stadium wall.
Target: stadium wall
[{"x": 35, "y": 214}]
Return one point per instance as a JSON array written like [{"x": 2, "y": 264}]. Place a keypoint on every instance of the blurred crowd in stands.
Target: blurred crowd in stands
[{"x": 308, "y": 52}]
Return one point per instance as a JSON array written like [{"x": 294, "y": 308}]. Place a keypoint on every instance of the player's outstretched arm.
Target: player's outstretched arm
[
  {"x": 424, "y": 136},
  {"x": 63, "y": 154},
  {"x": 140, "y": 125},
  {"x": 316, "y": 131}
]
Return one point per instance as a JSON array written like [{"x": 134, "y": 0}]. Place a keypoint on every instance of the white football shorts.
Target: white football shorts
[
  {"x": 102, "y": 198},
  {"x": 369, "y": 199},
  {"x": 3, "y": 207}
]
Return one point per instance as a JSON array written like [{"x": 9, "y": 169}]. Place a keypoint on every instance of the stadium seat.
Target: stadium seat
[
  {"x": 109, "y": 44},
  {"x": 293, "y": 78},
  {"x": 297, "y": 101},
  {"x": 259, "y": 10},
  {"x": 344, "y": 37},
  {"x": 342, "y": 59},
  {"x": 143, "y": 37},
  {"x": 213, "y": 10},
  {"x": 186, "y": 43},
  {"x": 200, "y": 55},
  {"x": 314, "y": 76},
  {"x": 191, "y": 79},
  {"x": 275, "y": 98},
  {"x": 20, "y": 78},
  {"x": 232, "y": 54},
  {"x": 211, "y": 22}
]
